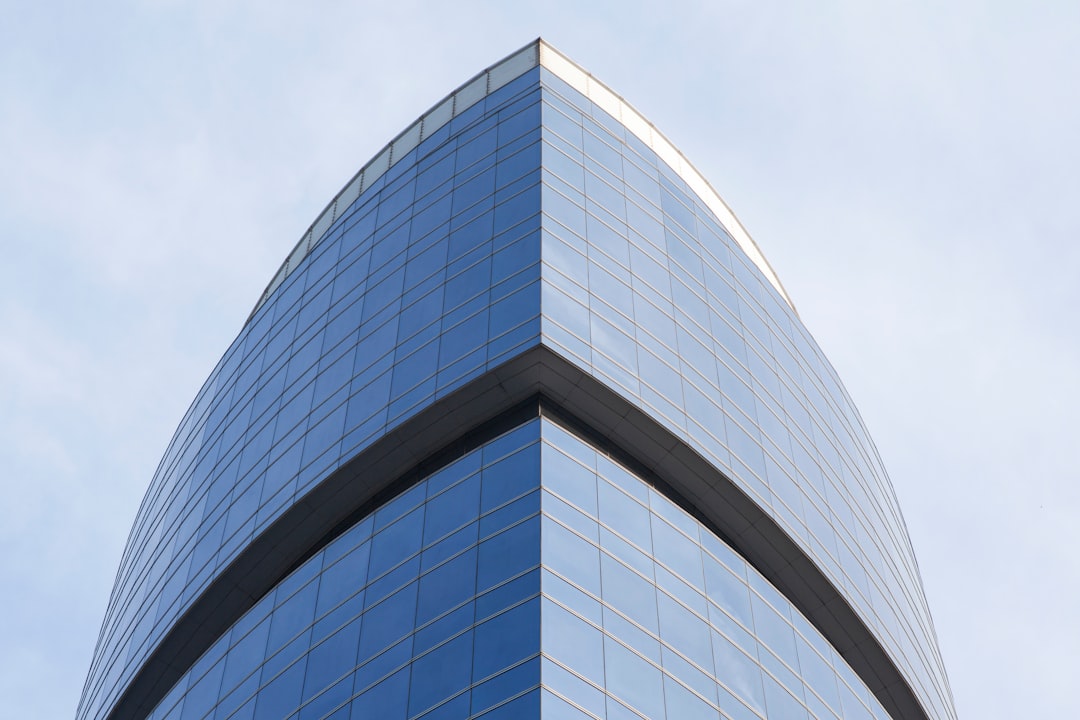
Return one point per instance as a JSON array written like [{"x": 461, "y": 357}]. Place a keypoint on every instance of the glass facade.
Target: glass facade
[
  {"x": 647, "y": 291},
  {"x": 538, "y": 569},
  {"x": 534, "y": 572},
  {"x": 427, "y": 607}
]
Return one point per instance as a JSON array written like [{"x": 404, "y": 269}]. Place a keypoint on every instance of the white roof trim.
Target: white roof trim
[
  {"x": 609, "y": 101},
  {"x": 535, "y": 53}
]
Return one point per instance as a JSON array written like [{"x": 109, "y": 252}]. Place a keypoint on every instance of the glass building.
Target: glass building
[{"x": 525, "y": 426}]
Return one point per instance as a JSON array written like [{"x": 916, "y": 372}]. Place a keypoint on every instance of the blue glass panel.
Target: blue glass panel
[
  {"x": 508, "y": 553},
  {"x": 525, "y": 706},
  {"x": 571, "y": 556},
  {"x": 629, "y": 593},
  {"x": 446, "y": 586},
  {"x": 203, "y": 694},
  {"x": 441, "y": 673},
  {"x": 570, "y": 479},
  {"x": 510, "y": 477},
  {"x": 507, "y": 594},
  {"x": 246, "y": 655},
  {"x": 683, "y": 704},
  {"x": 450, "y": 545},
  {"x": 506, "y": 639},
  {"x": 573, "y": 687},
  {"x": 396, "y": 543},
  {"x": 739, "y": 671},
  {"x": 330, "y": 660},
  {"x": 343, "y": 579},
  {"x": 572, "y": 641},
  {"x": 337, "y": 696},
  {"x": 507, "y": 684},
  {"x": 292, "y": 616},
  {"x": 388, "y": 699},
  {"x": 388, "y": 621},
  {"x": 282, "y": 694},
  {"x": 633, "y": 679}
]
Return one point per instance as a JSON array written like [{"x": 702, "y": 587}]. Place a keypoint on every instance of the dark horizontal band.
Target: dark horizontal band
[{"x": 536, "y": 382}]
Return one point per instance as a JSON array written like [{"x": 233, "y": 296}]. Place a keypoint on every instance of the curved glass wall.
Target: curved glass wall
[
  {"x": 534, "y": 571},
  {"x": 430, "y": 279},
  {"x": 647, "y": 291},
  {"x": 427, "y": 607},
  {"x": 521, "y": 213}
]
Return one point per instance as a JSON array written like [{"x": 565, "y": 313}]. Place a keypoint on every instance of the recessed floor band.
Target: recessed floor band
[{"x": 538, "y": 382}]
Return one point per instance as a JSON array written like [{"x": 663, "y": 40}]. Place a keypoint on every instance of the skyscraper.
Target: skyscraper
[{"x": 524, "y": 426}]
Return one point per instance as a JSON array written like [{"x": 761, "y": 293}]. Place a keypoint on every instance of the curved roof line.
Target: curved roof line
[
  {"x": 536, "y": 53},
  {"x": 613, "y": 104}
]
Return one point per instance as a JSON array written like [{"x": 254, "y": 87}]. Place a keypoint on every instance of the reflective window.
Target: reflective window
[
  {"x": 668, "y": 311},
  {"x": 427, "y": 279},
  {"x": 647, "y": 635},
  {"x": 450, "y": 620},
  {"x": 434, "y": 273},
  {"x": 366, "y": 624}
]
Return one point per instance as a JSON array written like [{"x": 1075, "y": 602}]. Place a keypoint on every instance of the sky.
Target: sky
[{"x": 910, "y": 169}]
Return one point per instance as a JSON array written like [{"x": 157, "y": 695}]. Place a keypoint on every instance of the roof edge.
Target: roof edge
[
  {"x": 614, "y": 104},
  {"x": 536, "y": 53}
]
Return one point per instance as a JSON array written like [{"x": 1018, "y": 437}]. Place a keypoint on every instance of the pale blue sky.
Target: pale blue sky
[{"x": 910, "y": 169}]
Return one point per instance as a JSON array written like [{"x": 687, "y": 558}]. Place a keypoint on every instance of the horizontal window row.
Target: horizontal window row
[
  {"x": 647, "y": 580},
  {"x": 445, "y": 568},
  {"x": 882, "y": 536},
  {"x": 303, "y": 319},
  {"x": 606, "y": 341}
]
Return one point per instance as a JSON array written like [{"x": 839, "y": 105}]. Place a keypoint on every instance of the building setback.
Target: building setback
[{"x": 525, "y": 426}]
